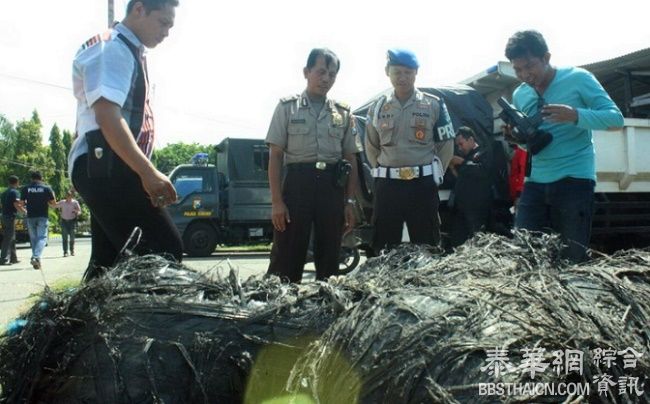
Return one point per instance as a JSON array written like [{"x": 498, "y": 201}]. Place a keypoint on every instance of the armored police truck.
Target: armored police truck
[{"x": 228, "y": 203}]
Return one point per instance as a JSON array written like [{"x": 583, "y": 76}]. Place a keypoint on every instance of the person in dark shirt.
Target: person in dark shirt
[
  {"x": 473, "y": 190},
  {"x": 37, "y": 197},
  {"x": 10, "y": 201}
]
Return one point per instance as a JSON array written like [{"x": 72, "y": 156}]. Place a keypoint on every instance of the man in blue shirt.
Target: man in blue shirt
[
  {"x": 37, "y": 197},
  {"x": 559, "y": 192}
]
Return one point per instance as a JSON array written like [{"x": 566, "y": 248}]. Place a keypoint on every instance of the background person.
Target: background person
[
  {"x": 37, "y": 198},
  {"x": 309, "y": 134},
  {"x": 517, "y": 175},
  {"x": 110, "y": 159},
  {"x": 11, "y": 205},
  {"x": 70, "y": 210},
  {"x": 559, "y": 192},
  {"x": 473, "y": 188},
  {"x": 405, "y": 130}
]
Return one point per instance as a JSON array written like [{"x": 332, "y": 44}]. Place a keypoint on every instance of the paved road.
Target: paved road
[{"x": 20, "y": 282}]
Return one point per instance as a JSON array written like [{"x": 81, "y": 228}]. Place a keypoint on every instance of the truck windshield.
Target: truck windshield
[{"x": 186, "y": 184}]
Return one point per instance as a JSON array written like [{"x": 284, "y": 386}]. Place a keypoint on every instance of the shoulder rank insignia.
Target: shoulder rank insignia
[
  {"x": 290, "y": 98},
  {"x": 97, "y": 39},
  {"x": 431, "y": 96},
  {"x": 342, "y": 105}
]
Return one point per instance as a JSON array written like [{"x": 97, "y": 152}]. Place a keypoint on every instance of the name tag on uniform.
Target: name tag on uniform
[{"x": 298, "y": 120}]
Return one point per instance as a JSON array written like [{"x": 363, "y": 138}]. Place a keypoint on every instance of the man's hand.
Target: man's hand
[
  {"x": 559, "y": 113},
  {"x": 160, "y": 190},
  {"x": 350, "y": 218},
  {"x": 280, "y": 216},
  {"x": 456, "y": 161},
  {"x": 509, "y": 134}
]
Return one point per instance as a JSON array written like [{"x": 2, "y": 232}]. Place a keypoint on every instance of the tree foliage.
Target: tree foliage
[
  {"x": 173, "y": 154},
  {"x": 22, "y": 150},
  {"x": 58, "y": 157},
  {"x": 67, "y": 144}
]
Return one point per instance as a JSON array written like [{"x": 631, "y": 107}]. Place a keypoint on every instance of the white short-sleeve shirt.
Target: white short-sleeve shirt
[{"x": 104, "y": 67}]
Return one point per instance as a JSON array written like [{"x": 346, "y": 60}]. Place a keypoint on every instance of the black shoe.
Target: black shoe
[
  {"x": 5, "y": 263},
  {"x": 15, "y": 262}
]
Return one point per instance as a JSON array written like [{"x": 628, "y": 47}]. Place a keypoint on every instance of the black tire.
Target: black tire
[
  {"x": 349, "y": 259},
  {"x": 200, "y": 240}
]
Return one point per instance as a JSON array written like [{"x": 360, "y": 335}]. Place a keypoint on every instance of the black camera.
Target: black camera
[{"x": 525, "y": 129}]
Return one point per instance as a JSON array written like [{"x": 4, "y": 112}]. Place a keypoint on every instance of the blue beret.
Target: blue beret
[{"x": 403, "y": 57}]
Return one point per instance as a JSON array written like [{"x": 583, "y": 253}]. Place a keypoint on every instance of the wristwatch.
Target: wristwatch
[{"x": 351, "y": 201}]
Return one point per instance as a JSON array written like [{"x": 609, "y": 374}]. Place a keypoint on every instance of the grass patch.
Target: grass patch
[
  {"x": 58, "y": 286},
  {"x": 245, "y": 248}
]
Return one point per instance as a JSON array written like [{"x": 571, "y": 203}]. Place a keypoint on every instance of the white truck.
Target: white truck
[{"x": 622, "y": 209}]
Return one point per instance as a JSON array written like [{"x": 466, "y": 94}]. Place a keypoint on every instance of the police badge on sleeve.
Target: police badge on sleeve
[{"x": 445, "y": 129}]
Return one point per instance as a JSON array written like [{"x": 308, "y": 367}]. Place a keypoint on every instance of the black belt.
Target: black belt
[{"x": 317, "y": 165}]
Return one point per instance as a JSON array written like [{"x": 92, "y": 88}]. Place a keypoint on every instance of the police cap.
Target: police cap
[{"x": 402, "y": 57}]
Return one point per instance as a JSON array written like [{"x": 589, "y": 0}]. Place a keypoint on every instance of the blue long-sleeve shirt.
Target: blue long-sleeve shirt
[{"x": 571, "y": 153}]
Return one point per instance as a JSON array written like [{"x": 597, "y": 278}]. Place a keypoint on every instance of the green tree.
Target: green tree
[
  {"x": 28, "y": 150},
  {"x": 67, "y": 144},
  {"x": 173, "y": 154},
  {"x": 58, "y": 158},
  {"x": 7, "y": 136}
]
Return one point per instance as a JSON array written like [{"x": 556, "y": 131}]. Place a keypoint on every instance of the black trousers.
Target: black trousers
[
  {"x": 117, "y": 205},
  {"x": 412, "y": 201},
  {"x": 468, "y": 222},
  {"x": 311, "y": 198},
  {"x": 8, "y": 239}
]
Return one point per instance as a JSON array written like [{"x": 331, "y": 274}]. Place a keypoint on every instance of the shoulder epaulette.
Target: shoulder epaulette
[
  {"x": 92, "y": 41},
  {"x": 342, "y": 105},
  {"x": 96, "y": 39},
  {"x": 429, "y": 95},
  {"x": 290, "y": 98}
]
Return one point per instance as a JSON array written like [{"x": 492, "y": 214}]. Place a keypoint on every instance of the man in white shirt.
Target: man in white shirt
[{"x": 110, "y": 159}]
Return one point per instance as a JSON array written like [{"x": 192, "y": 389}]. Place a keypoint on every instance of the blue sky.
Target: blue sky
[{"x": 225, "y": 64}]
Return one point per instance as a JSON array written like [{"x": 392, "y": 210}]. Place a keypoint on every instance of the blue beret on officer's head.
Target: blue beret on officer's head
[{"x": 402, "y": 57}]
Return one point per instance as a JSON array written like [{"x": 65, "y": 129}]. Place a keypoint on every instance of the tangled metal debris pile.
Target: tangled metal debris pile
[{"x": 410, "y": 326}]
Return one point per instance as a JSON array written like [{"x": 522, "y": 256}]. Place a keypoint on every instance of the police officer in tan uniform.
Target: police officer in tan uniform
[
  {"x": 409, "y": 143},
  {"x": 310, "y": 135}
]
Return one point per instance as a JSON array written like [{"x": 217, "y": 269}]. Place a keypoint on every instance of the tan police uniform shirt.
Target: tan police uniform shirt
[
  {"x": 411, "y": 134},
  {"x": 306, "y": 136}
]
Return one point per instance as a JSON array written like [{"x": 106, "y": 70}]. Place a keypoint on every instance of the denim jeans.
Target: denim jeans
[
  {"x": 37, "y": 227},
  {"x": 565, "y": 207}
]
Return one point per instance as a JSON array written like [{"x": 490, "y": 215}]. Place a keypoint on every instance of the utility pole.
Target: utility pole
[{"x": 111, "y": 13}]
